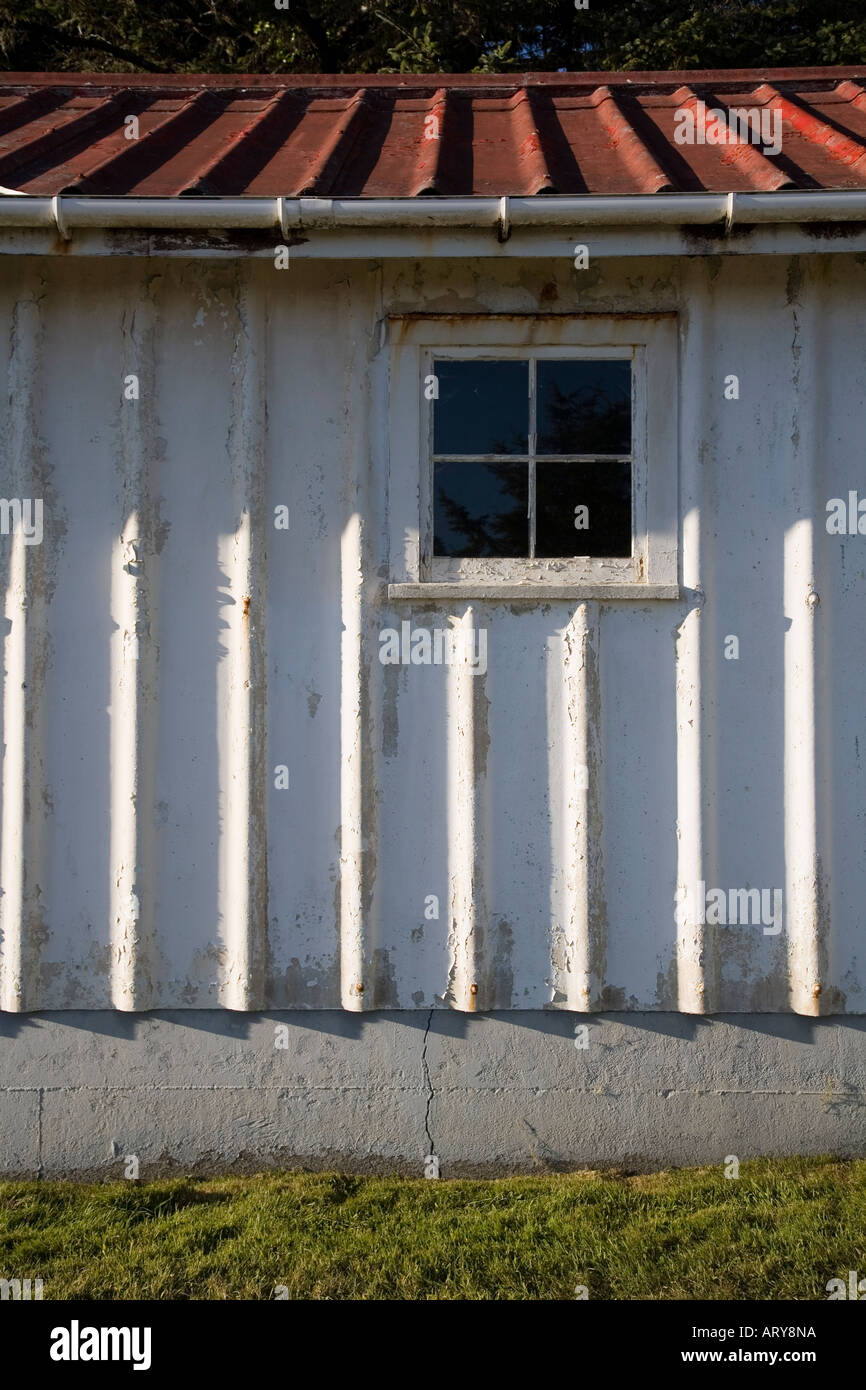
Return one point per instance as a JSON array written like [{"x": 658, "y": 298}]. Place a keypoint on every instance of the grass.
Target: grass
[{"x": 779, "y": 1232}]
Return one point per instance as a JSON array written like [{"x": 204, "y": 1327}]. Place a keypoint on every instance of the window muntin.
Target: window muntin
[{"x": 532, "y": 457}]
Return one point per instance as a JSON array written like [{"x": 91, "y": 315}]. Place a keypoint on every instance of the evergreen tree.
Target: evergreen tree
[{"x": 281, "y": 36}]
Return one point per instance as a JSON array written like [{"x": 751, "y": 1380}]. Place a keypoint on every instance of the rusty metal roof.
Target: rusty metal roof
[{"x": 368, "y": 136}]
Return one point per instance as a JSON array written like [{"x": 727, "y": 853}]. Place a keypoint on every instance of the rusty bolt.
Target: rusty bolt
[{"x": 473, "y": 989}]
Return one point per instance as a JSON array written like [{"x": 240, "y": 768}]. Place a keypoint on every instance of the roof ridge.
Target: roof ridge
[{"x": 654, "y": 77}]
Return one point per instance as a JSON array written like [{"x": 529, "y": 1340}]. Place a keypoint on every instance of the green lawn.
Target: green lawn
[{"x": 779, "y": 1232}]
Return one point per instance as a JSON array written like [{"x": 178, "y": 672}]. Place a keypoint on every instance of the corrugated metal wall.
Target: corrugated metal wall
[{"x": 166, "y": 648}]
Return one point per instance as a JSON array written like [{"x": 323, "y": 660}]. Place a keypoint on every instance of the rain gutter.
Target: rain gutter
[{"x": 66, "y": 213}]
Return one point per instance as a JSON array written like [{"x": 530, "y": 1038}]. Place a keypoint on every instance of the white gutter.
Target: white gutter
[{"x": 66, "y": 213}]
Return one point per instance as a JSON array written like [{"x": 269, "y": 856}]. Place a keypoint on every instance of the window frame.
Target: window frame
[{"x": 650, "y": 344}]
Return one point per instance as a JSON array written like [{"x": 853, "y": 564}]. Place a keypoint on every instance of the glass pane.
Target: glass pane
[
  {"x": 483, "y": 408},
  {"x": 584, "y": 407},
  {"x": 480, "y": 509},
  {"x": 583, "y": 509}
]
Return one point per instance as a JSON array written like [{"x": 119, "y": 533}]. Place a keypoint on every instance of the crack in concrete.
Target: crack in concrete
[
  {"x": 428, "y": 1083},
  {"x": 40, "y": 1171}
]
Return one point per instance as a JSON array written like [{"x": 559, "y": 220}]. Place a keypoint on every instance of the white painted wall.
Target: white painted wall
[{"x": 146, "y": 858}]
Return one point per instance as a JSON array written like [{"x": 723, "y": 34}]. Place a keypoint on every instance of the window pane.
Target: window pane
[
  {"x": 483, "y": 408},
  {"x": 602, "y": 492},
  {"x": 584, "y": 407},
  {"x": 480, "y": 509}
]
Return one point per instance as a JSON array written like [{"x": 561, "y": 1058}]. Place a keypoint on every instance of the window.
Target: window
[
  {"x": 535, "y": 453},
  {"x": 532, "y": 457}
]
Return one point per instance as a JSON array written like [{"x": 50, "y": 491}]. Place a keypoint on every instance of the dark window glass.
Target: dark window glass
[
  {"x": 480, "y": 509},
  {"x": 603, "y": 488},
  {"x": 483, "y": 408},
  {"x": 584, "y": 407}
]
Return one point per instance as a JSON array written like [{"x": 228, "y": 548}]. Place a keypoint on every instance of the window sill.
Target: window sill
[{"x": 531, "y": 592}]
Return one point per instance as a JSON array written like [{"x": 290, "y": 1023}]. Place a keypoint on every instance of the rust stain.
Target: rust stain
[{"x": 401, "y": 322}]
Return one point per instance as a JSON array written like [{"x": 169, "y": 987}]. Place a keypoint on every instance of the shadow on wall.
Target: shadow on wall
[{"x": 445, "y": 1023}]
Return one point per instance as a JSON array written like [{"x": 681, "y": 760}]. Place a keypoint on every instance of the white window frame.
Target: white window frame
[{"x": 650, "y": 343}]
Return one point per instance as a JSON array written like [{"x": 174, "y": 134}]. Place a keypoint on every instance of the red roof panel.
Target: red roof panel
[{"x": 398, "y": 136}]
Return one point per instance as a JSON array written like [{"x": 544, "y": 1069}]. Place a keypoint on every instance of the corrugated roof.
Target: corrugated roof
[{"x": 372, "y": 136}]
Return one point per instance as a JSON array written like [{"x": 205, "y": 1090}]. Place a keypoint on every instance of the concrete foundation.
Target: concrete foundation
[{"x": 495, "y": 1093}]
